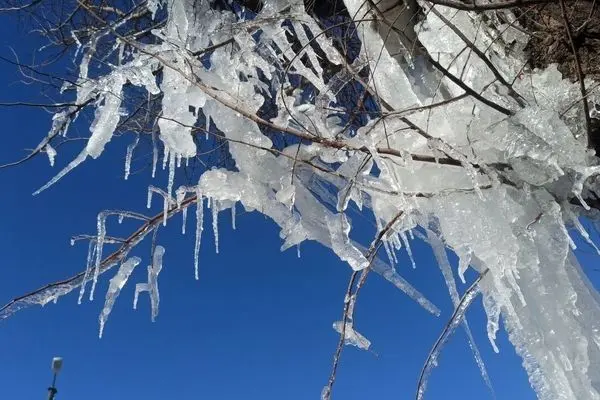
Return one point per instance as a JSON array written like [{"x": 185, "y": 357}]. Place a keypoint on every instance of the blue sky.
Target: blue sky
[{"x": 257, "y": 325}]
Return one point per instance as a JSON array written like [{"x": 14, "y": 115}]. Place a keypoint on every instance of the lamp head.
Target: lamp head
[{"x": 57, "y": 364}]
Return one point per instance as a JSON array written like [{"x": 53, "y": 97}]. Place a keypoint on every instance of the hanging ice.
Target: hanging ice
[
  {"x": 51, "y": 152},
  {"x": 101, "y": 226},
  {"x": 88, "y": 268},
  {"x": 199, "y": 228},
  {"x": 495, "y": 175},
  {"x": 129, "y": 156},
  {"x": 152, "y": 285},
  {"x": 351, "y": 336},
  {"x": 233, "y": 216},
  {"x": 339, "y": 227},
  {"x": 215, "y": 223},
  {"x": 114, "y": 288}
]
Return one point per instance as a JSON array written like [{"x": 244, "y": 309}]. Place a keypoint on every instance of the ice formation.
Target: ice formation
[
  {"x": 152, "y": 285},
  {"x": 498, "y": 179},
  {"x": 114, "y": 288}
]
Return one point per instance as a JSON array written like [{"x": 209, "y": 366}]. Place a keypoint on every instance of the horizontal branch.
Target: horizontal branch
[{"x": 492, "y": 5}]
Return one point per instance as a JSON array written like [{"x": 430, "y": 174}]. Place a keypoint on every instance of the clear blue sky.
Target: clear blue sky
[{"x": 256, "y": 326}]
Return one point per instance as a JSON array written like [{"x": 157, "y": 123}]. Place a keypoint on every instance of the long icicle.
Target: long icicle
[
  {"x": 101, "y": 226},
  {"x": 90, "y": 257},
  {"x": 199, "y": 228},
  {"x": 215, "y": 223}
]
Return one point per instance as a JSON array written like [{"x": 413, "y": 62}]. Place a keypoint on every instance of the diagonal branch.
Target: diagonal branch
[
  {"x": 53, "y": 290},
  {"x": 580, "y": 76},
  {"x": 457, "y": 317},
  {"x": 351, "y": 297}
]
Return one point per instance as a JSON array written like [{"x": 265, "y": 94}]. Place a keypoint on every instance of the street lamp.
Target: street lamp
[{"x": 56, "y": 366}]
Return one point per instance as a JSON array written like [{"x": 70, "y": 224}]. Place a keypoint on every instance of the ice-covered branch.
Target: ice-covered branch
[
  {"x": 456, "y": 319},
  {"x": 427, "y": 119}
]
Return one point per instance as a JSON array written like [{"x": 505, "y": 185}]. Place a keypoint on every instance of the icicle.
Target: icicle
[
  {"x": 90, "y": 257},
  {"x": 72, "y": 242},
  {"x": 408, "y": 249},
  {"x": 157, "y": 264},
  {"x": 388, "y": 251},
  {"x": 585, "y": 234},
  {"x": 179, "y": 196},
  {"x": 149, "y": 200},
  {"x": 207, "y": 129},
  {"x": 394, "y": 256},
  {"x": 121, "y": 47},
  {"x": 152, "y": 286},
  {"x": 179, "y": 161},
  {"x": 51, "y": 154},
  {"x": 140, "y": 287},
  {"x": 129, "y": 155},
  {"x": 72, "y": 165},
  {"x": 298, "y": 250},
  {"x": 581, "y": 200},
  {"x": 215, "y": 224},
  {"x": 171, "y": 173},
  {"x": 165, "y": 158},
  {"x": 165, "y": 210},
  {"x": 492, "y": 310},
  {"x": 101, "y": 226},
  {"x": 580, "y": 228},
  {"x": 386, "y": 243},
  {"x": 395, "y": 239},
  {"x": 114, "y": 288},
  {"x": 339, "y": 228},
  {"x": 464, "y": 259},
  {"x": 199, "y": 228},
  {"x": 154, "y": 155},
  {"x": 121, "y": 216},
  {"x": 184, "y": 215},
  {"x": 233, "y": 216}
]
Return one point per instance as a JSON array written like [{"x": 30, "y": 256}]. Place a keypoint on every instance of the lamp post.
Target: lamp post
[{"x": 56, "y": 366}]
